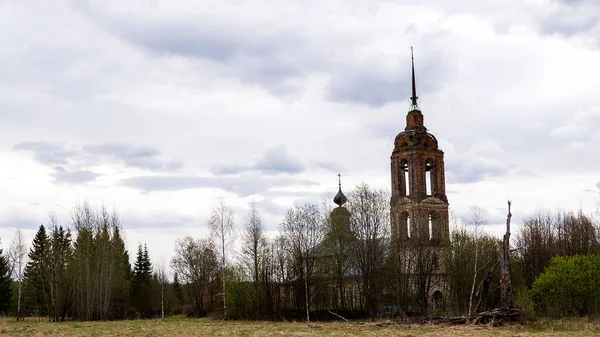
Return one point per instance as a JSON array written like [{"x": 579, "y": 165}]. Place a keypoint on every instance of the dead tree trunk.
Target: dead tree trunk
[{"x": 505, "y": 282}]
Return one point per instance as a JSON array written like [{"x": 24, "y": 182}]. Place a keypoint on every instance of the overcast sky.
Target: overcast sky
[{"x": 157, "y": 107}]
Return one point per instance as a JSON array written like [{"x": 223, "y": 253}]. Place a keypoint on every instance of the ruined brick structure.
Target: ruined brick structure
[{"x": 419, "y": 206}]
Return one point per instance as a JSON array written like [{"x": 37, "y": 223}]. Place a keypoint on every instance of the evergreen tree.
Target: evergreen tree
[
  {"x": 177, "y": 289},
  {"x": 122, "y": 272},
  {"x": 61, "y": 272},
  {"x": 37, "y": 274},
  {"x": 141, "y": 283},
  {"x": 5, "y": 284}
]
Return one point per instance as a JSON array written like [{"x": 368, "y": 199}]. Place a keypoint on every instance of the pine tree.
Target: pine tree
[
  {"x": 177, "y": 289},
  {"x": 37, "y": 274},
  {"x": 142, "y": 282},
  {"x": 122, "y": 271},
  {"x": 5, "y": 282},
  {"x": 61, "y": 279}
]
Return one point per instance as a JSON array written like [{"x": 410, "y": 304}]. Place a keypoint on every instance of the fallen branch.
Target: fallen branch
[{"x": 336, "y": 315}]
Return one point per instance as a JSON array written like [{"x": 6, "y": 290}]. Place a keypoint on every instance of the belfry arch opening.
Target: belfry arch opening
[
  {"x": 430, "y": 225},
  {"x": 404, "y": 169},
  {"x": 404, "y": 225},
  {"x": 428, "y": 177},
  {"x": 434, "y": 228}
]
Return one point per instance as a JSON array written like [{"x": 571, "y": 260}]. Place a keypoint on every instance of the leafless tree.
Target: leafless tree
[
  {"x": 196, "y": 263},
  {"x": 370, "y": 226},
  {"x": 163, "y": 279},
  {"x": 254, "y": 248},
  {"x": 474, "y": 218},
  {"x": 18, "y": 260},
  {"x": 302, "y": 228},
  {"x": 222, "y": 229}
]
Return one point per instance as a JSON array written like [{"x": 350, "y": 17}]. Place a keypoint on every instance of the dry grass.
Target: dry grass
[{"x": 205, "y": 327}]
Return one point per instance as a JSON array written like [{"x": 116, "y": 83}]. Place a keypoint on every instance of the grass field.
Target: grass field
[{"x": 207, "y": 327}]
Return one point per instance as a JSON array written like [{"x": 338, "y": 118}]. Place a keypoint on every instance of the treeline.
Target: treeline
[
  {"x": 323, "y": 259},
  {"x": 557, "y": 263}
]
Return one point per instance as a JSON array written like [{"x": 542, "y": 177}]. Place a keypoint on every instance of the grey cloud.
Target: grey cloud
[
  {"x": 243, "y": 185},
  {"x": 259, "y": 53},
  {"x": 471, "y": 172},
  {"x": 572, "y": 18},
  {"x": 269, "y": 60},
  {"x": 367, "y": 88},
  {"x": 270, "y": 207},
  {"x": 273, "y": 161},
  {"x": 329, "y": 166},
  {"x": 62, "y": 175},
  {"x": 47, "y": 153},
  {"x": 144, "y": 157},
  {"x": 375, "y": 87},
  {"x": 278, "y": 160},
  {"x": 568, "y": 25},
  {"x": 598, "y": 185},
  {"x": 158, "y": 220},
  {"x": 19, "y": 222}
]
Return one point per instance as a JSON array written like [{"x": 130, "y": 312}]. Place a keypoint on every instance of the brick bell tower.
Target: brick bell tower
[{"x": 419, "y": 206}]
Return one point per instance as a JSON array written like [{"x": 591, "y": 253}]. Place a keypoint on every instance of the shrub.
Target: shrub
[{"x": 570, "y": 286}]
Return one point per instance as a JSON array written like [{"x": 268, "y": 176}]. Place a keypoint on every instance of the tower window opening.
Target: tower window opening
[
  {"x": 428, "y": 171},
  {"x": 404, "y": 226},
  {"x": 406, "y": 173},
  {"x": 430, "y": 227}
]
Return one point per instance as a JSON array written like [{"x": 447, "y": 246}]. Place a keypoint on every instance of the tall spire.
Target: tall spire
[{"x": 414, "y": 87}]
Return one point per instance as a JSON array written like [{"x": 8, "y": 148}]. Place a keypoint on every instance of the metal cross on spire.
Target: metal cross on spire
[{"x": 414, "y": 97}]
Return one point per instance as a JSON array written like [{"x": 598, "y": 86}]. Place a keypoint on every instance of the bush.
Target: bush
[
  {"x": 524, "y": 303},
  {"x": 570, "y": 286}
]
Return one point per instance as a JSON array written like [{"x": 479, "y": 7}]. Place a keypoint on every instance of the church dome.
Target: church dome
[
  {"x": 340, "y": 198},
  {"x": 415, "y": 138}
]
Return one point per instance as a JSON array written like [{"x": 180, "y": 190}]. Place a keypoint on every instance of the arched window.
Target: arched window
[
  {"x": 428, "y": 177},
  {"x": 404, "y": 168},
  {"x": 434, "y": 228},
  {"x": 430, "y": 227},
  {"x": 407, "y": 226},
  {"x": 404, "y": 223}
]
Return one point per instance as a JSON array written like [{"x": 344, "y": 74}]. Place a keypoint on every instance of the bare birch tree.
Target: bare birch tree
[
  {"x": 222, "y": 229},
  {"x": 18, "y": 258},
  {"x": 162, "y": 279},
  {"x": 475, "y": 218}
]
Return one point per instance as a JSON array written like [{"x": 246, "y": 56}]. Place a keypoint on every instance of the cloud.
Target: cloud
[
  {"x": 19, "y": 222},
  {"x": 257, "y": 55},
  {"x": 143, "y": 157},
  {"x": 329, "y": 166},
  {"x": 273, "y": 161},
  {"x": 478, "y": 163},
  {"x": 47, "y": 153},
  {"x": 569, "y": 18},
  {"x": 278, "y": 56},
  {"x": 270, "y": 207},
  {"x": 243, "y": 185},
  {"x": 71, "y": 177},
  {"x": 376, "y": 85}
]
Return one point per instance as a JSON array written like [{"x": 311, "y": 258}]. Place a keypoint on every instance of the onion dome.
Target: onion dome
[{"x": 340, "y": 198}]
